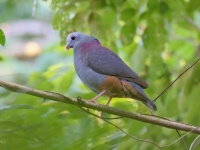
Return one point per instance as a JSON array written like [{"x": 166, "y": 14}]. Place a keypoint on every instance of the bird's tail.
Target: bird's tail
[
  {"x": 138, "y": 93},
  {"x": 150, "y": 104}
]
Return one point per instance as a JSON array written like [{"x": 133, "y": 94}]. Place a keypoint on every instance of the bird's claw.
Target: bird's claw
[
  {"x": 93, "y": 101},
  {"x": 79, "y": 99}
]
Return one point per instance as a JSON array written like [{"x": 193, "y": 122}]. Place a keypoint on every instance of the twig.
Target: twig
[
  {"x": 136, "y": 138},
  {"x": 182, "y": 139},
  {"x": 177, "y": 139},
  {"x": 191, "y": 146},
  {"x": 64, "y": 99},
  {"x": 147, "y": 141},
  {"x": 175, "y": 80}
]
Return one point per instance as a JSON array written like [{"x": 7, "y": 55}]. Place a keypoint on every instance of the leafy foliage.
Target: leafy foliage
[
  {"x": 2, "y": 38},
  {"x": 159, "y": 39}
]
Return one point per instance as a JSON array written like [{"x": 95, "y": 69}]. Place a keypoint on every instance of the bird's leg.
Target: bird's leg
[
  {"x": 110, "y": 98},
  {"x": 107, "y": 104},
  {"x": 94, "y": 100}
]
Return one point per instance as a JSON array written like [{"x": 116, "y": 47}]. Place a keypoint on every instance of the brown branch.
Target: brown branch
[{"x": 64, "y": 99}]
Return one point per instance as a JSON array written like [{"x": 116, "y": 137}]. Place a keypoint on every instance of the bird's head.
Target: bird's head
[{"x": 73, "y": 39}]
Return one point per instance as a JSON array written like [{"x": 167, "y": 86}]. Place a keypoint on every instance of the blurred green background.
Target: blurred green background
[{"x": 159, "y": 39}]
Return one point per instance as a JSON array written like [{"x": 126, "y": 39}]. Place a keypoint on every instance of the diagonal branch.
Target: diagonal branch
[
  {"x": 64, "y": 99},
  {"x": 191, "y": 22}
]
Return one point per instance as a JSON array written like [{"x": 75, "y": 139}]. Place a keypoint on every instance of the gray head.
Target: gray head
[{"x": 73, "y": 39}]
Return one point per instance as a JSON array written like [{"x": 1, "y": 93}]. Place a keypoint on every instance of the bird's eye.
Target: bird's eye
[{"x": 73, "y": 37}]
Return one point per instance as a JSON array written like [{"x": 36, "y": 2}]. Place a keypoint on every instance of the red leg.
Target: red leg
[
  {"x": 110, "y": 98},
  {"x": 94, "y": 100}
]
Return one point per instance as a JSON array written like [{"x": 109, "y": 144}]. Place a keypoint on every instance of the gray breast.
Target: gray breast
[{"x": 90, "y": 78}]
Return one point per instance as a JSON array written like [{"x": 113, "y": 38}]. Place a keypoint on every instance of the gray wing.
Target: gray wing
[{"x": 104, "y": 61}]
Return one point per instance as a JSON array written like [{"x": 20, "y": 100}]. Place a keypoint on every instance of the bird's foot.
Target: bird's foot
[{"x": 93, "y": 101}]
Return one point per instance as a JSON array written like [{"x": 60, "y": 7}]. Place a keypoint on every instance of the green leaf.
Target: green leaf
[
  {"x": 94, "y": 23},
  {"x": 2, "y": 38},
  {"x": 193, "y": 5},
  {"x": 128, "y": 32},
  {"x": 96, "y": 5},
  {"x": 17, "y": 106},
  {"x": 163, "y": 7},
  {"x": 127, "y": 14}
]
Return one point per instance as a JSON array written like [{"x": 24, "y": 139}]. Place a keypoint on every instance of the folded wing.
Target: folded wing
[{"x": 104, "y": 61}]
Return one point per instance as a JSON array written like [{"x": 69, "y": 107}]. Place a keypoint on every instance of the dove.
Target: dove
[{"x": 104, "y": 72}]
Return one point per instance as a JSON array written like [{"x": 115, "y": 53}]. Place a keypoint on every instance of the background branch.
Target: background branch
[
  {"x": 64, "y": 99},
  {"x": 191, "y": 22}
]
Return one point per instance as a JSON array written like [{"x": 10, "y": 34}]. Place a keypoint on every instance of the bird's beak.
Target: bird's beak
[{"x": 67, "y": 47}]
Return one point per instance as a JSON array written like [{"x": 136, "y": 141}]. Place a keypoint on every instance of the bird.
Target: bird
[{"x": 104, "y": 72}]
